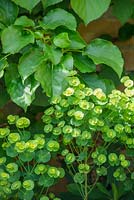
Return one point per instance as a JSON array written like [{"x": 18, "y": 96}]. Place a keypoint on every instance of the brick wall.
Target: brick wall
[{"x": 108, "y": 24}]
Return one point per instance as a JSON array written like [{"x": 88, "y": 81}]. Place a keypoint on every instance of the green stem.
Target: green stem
[{"x": 86, "y": 188}]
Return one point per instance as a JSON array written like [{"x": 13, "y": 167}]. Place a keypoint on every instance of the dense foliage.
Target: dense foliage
[
  {"x": 40, "y": 45},
  {"x": 89, "y": 131}
]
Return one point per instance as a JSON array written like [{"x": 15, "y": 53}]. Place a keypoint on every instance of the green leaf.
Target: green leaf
[
  {"x": 123, "y": 9},
  {"x": 29, "y": 62},
  {"x": 21, "y": 94},
  {"x": 27, "y": 156},
  {"x": 46, "y": 181},
  {"x": 8, "y": 12},
  {"x": 43, "y": 156},
  {"x": 27, "y": 4},
  {"x": 67, "y": 62},
  {"x": 74, "y": 189},
  {"x": 11, "y": 152},
  {"x": 103, "y": 189},
  {"x": 24, "y": 21},
  {"x": 53, "y": 82},
  {"x": 89, "y": 10},
  {"x": 14, "y": 38},
  {"x": 40, "y": 98},
  {"x": 47, "y": 3},
  {"x": 53, "y": 54},
  {"x": 62, "y": 40},
  {"x": 58, "y": 17},
  {"x": 104, "y": 52},
  {"x": 93, "y": 81},
  {"x": 76, "y": 40},
  {"x": 45, "y": 80},
  {"x": 83, "y": 63}
]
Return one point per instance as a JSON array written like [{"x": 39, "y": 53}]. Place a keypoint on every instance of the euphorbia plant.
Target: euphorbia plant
[
  {"x": 94, "y": 132},
  {"x": 25, "y": 172}
]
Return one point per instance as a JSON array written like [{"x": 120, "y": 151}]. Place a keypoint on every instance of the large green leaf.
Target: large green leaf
[
  {"x": 76, "y": 41},
  {"x": 24, "y": 21},
  {"x": 123, "y": 9},
  {"x": 14, "y": 38},
  {"x": 8, "y": 12},
  {"x": 52, "y": 79},
  {"x": 94, "y": 81},
  {"x": 47, "y": 3},
  {"x": 29, "y": 62},
  {"x": 27, "y": 4},
  {"x": 89, "y": 10},
  {"x": 53, "y": 54},
  {"x": 83, "y": 63},
  {"x": 62, "y": 40},
  {"x": 59, "y": 17},
  {"x": 104, "y": 52},
  {"x": 21, "y": 94}
]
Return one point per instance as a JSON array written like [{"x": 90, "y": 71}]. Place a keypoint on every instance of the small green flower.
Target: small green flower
[
  {"x": 80, "y": 94},
  {"x": 28, "y": 184},
  {"x": 124, "y": 78},
  {"x": 113, "y": 159},
  {"x": 119, "y": 128},
  {"x": 55, "y": 99},
  {"x": 125, "y": 163},
  {"x": 79, "y": 115},
  {"x": 40, "y": 169},
  {"x": 53, "y": 145},
  {"x": 62, "y": 172},
  {"x": 12, "y": 119},
  {"x": 111, "y": 134},
  {"x": 31, "y": 145},
  {"x": 79, "y": 178},
  {"x": 88, "y": 91},
  {"x": 13, "y": 137},
  {"x": 70, "y": 113},
  {"x": 93, "y": 121},
  {"x": 121, "y": 157},
  {"x": 84, "y": 104},
  {"x": 58, "y": 114},
  {"x": 101, "y": 159},
  {"x": 48, "y": 128},
  {"x": 40, "y": 142},
  {"x": 128, "y": 83},
  {"x": 4, "y": 175},
  {"x": 16, "y": 185},
  {"x": 44, "y": 198},
  {"x": 86, "y": 135},
  {"x": 12, "y": 167},
  {"x": 68, "y": 92},
  {"x": 99, "y": 94},
  {"x": 56, "y": 131},
  {"x": 22, "y": 122},
  {"x": 53, "y": 172},
  {"x": 67, "y": 129},
  {"x": 4, "y": 132},
  {"x": 101, "y": 171},
  {"x": 64, "y": 152},
  {"x": 2, "y": 160},
  {"x": 47, "y": 119},
  {"x": 76, "y": 132},
  {"x": 64, "y": 103},
  {"x": 49, "y": 111},
  {"x": 61, "y": 124},
  {"x": 20, "y": 146},
  {"x": 98, "y": 110},
  {"x": 84, "y": 168},
  {"x": 70, "y": 158},
  {"x": 51, "y": 195},
  {"x": 74, "y": 81}
]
